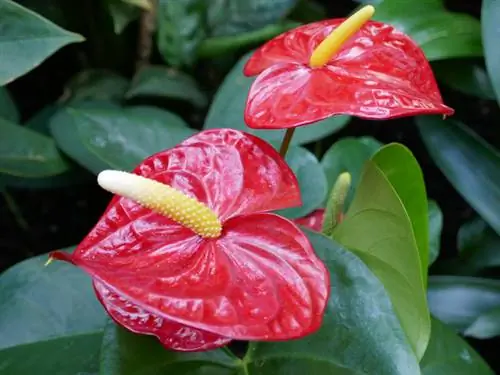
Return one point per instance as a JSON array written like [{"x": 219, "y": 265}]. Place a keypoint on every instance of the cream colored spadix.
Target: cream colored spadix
[
  {"x": 164, "y": 200},
  {"x": 333, "y": 42}
]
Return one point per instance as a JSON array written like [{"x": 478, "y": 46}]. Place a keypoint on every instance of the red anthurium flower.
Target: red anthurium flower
[
  {"x": 186, "y": 250},
  {"x": 313, "y": 221},
  {"x": 332, "y": 67}
]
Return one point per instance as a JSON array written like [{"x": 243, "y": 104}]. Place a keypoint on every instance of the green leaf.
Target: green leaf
[
  {"x": 448, "y": 354},
  {"x": 8, "y": 109},
  {"x": 75, "y": 354},
  {"x": 348, "y": 155},
  {"x": 307, "y": 11},
  {"x": 125, "y": 353},
  {"x": 123, "y": 13},
  {"x": 27, "y": 40},
  {"x": 159, "y": 81},
  {"x": 388, "y": 244},
  {"x": 96, "y": 85},
  {"x": 440, "y": 33},
  {"x": 486, "y": 326},
  {"x": 39, "y": 303},
  {"x": 490, "y": 16},
  {"x": 312, "y": 182},
  {"x": 25, "y": 153},
  {"x": 460, "y": 300},
  {"x": 468, "y": 162},
  {"x": 103, "y": 135},
  {"x": 435, "y": 218},
  {"x": 226, "y": 111},
  {"x": 180, "y": 30},
  {"x": 466, "y": 76}
]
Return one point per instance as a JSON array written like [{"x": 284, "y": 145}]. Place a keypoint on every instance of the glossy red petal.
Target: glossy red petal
[
  {"x": 172, "y": 335},
  {"x": 313, "y": 221}
]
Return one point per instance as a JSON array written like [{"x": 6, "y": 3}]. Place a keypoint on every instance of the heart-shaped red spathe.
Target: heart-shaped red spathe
[
  {"x": 379, "y": 73},
  {"x": 260, "y": 280},
  {"x": 313, "y": 221}
]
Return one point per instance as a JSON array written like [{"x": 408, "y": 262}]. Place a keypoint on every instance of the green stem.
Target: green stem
[
  {"x": 286, "y": 141},
  {"x": 15, "y": 210}
]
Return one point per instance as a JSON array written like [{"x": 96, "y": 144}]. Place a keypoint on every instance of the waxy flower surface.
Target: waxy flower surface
[
  {"x": 377, "y": 73},
  {"x": 200, "y": 262},
  {"x": 313, "y": 221}
]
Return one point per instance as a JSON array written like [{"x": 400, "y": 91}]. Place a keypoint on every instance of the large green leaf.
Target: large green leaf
[
  {"x": 440, "y": 33},
  {"x": 8, "y": 109},
  {"x": 378, "y": 229},
  {"x": 490, "y": 17},
  {"x": 435, "y": 217},
  {"x": 102, "y": 135},
  {"x": 27, "y": 39},
  {"x": 312, "y": 181},
  {"x": 228, "y": 106},
  {"x": 460, "y": 300},
  {"x": 26, "y": 153},
  {"x": 449, "y": 354},
  {"x": 470, "y": 164},
  {"x": 159, "y": 81},
  {"x": 485, "y": 326},
  {"x": 360, "y": 335}
]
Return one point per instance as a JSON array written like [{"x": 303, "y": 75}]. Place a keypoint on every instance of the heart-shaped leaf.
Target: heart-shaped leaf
[
  {"x": 102, "y": 135},
  {"x": 435, "y": 218},
  {"x": 440, "y": 33},
  {"x": 448, "y": 353},
  {"x": 388, "y": 244},
  {"x": 226, "y": 111},
  {"x": 162, "y": 82},
  {"x": 8, "y": 109},
  {"x": 122, "y": 12},
  {"x": 490, "y": 14},
  {"x": 25, "y": 153},
  {"x": 27, "y": 40},
  {"x": 470, "y": 164}
]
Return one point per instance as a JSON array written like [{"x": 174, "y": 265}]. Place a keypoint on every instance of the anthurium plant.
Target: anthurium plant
[{"x": 237, "y": 244}]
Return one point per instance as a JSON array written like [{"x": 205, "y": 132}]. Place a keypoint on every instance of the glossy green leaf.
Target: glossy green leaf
[
  {"x": 449, "y": 354},
  {"x": 435, "y": 218},
  {"x": 466, "y": 76},
  {"x": 312, "y": 182},
  {"x": 180, "y": 30},
  {"x": 95, "y": 85},
  {"x": 122, "y": 14},
  {"x": 460, "y": 300},
  {"x": 102, "y": 135},
  {"x": 230, "y": 17},
  {"x": 468, "y": 162},
  {"x": 159, "y": 81},
  {"x": 348, "y": 155},
  {"x": 38, "y": 303},
  {"x": 27, "y": 40},
  {"x": 8, "y": 109},
  {"x": 485, "y": 326},
  {"x": 378, "y": 229},
  {"x": 25, "y": 153},
  {"x": 490, "y": 16},
  {"x": 402, "y": 171},
  {"x": 360, "y": 335},
  {"x": 74, "y": 354},
  {"x": 440, "y": 33},
  {"x": 226, "y": 111}
]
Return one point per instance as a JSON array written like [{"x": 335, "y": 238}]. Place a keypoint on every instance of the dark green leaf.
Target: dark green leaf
[
  {"x": 470, "y": 164},
  {"x": 312, "y": 181},
  {"x": 448, "y": 354},
  {"x": 8, "y": 109},
  {"x": 228, "y": 106},
  {"x": 25, "y": 153},
  {"x": 490, "y": 16},
  {"x": 486, "y": 326},
  {"x": 308, "y": 11},
  {"x": 180, "y": 30},
  {"x": 466, "y": 76},
  {"x": 39, "y": 303},
  {"x": 160, "y": 81},
  {"x": 122, "y": 13},
  {"x": 75, "y": 354},
  {"x": 102, "y": 135},
  {"x": 388, "y": 246},
  {"x": 459, "y": 300},
  {"x": 27, "y": 40},
  {"x": 435, "y": 227},
  {"x": 440, "y": 33}
]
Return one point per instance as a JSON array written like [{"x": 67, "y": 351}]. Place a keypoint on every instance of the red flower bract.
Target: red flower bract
[
  {"x": 379, "y": 73},
  {"x": 313, "y": 221},
  {"x": 260, "y": 280}
]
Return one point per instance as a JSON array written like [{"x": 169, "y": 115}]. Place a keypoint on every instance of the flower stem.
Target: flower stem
[{"x": 286, "y": 141}]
